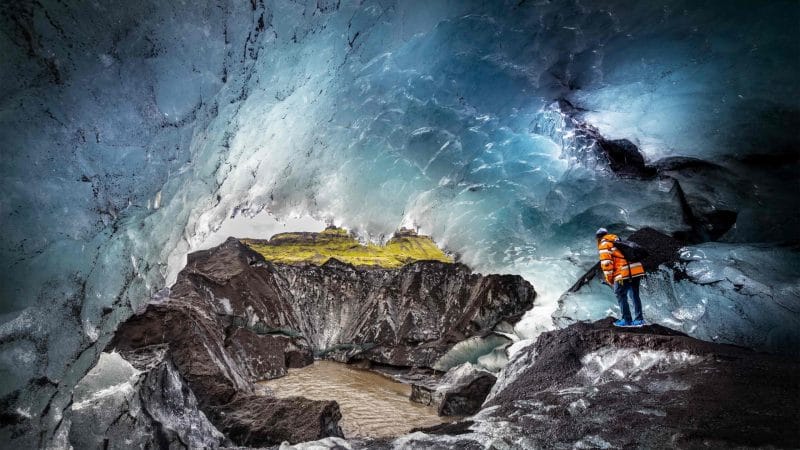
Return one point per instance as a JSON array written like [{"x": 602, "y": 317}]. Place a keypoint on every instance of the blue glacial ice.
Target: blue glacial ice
[{"x": 132, "y": 132}]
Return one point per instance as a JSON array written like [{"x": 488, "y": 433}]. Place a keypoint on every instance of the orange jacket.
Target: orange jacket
[{"x": 613, "y": 263}]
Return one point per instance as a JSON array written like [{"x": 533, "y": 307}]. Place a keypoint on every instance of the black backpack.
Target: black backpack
[{"x": 632, "y": 251}]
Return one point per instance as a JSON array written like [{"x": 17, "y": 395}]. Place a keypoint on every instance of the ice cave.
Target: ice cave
[{"x": 206, "y": 204}]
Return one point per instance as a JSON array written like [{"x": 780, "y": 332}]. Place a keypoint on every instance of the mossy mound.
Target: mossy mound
[{"x": 403, "y": 248}]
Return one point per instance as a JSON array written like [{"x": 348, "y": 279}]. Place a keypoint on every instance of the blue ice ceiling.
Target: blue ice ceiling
[{"x": 129, "y": 131}]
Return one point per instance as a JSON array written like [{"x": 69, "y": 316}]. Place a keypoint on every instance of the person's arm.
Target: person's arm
[{"x": 606, "y": 261}]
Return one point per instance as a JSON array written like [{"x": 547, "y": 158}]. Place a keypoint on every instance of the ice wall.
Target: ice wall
[
  {"x": 131, "y": 131},
  {"x": 102, "y": 109}
]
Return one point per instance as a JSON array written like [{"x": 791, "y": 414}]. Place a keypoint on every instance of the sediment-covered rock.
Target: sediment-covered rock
[
  {"x": 262, "y": 420},
  {"x": 405, "y": 317},
  {"x": 650, "y": 386}
]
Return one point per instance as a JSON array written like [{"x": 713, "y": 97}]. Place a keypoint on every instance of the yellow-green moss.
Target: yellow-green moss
[{"x": 316, "y": 248}]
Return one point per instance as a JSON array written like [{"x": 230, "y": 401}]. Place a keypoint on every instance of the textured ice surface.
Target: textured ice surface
[
  {"x": 609, "y": 364},
  {"x": 472, "y": 350},
  {"x": 105, "y": 393},
  {"x": 113, "y": 377},
  {"x": 132, "y": 131},
  {"x": 494, "y": 360}
]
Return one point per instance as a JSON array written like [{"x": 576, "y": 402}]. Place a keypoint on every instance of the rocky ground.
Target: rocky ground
[
  {"x": 592, "y": 385},
  {"x": 233, "y": 319}
]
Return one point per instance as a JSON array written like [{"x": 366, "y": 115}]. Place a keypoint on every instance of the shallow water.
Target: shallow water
[{"x": 371, "y": 404}]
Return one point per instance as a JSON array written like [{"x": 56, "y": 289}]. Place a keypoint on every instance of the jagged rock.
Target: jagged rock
[
  {"x": 262, "y": 421},
  {"x": 220, "y": 360},
  {"x": 138, "y": 402},
  {"x": 406, "y": 317},
  {"x": 263, "y": 357},
  {"x": 196, "y": 341},
  {"x": 661, "y": 248},
  {"x": 592, "y": 383},
  {"x": 460, "y": 392},
  {"x": 624, "y": 158},
  {"x": 467, "y": 398}
]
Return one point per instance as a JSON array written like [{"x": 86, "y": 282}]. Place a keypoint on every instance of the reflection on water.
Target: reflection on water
[{"x": 371, "y": 404}]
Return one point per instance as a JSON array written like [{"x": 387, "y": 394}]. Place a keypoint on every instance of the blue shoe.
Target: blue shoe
[
  {"x": 622, "y": 323},
  {"x": 638, "y": 323}
]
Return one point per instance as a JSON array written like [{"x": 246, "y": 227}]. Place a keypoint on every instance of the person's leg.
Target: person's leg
[
  {"x": 637, "y": 302},
  {"x": 621, "y": 290}
]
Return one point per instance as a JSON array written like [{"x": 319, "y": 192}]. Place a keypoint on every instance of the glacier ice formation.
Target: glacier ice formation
[{"x": 130, "y": 132}]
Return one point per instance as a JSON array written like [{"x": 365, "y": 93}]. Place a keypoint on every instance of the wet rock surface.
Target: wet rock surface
[
  {"x": 262, "y": 357},
  {"x": 233, "y": 319}
]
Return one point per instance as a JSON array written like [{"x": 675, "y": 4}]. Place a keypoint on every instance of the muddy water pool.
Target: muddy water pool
[{"x": 372, "y": 405}]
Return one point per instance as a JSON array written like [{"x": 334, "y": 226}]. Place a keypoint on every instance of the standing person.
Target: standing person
[{"x": 623, "y": 276}]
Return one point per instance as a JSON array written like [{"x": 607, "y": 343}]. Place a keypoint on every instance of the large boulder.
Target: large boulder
[
  {"x": 460, "y": 392},
  {"x": 196, "y": 341},
  {"x": 405, "y": 317},
  {"x": 262, "y": 421},
  {"x": 263, "y": 357},
  {"x": 138, "y": 400}
]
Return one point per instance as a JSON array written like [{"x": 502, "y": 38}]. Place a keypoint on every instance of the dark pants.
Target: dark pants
[{"x": 622, "y": 289}]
